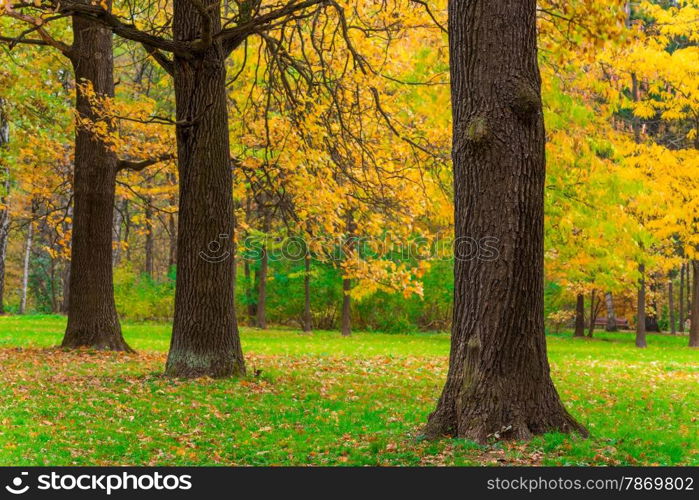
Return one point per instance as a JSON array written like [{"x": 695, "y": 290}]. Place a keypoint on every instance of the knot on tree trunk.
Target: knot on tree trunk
[
  {"x": 475, "y": 132},
  {"x": 525, "y": 100}
]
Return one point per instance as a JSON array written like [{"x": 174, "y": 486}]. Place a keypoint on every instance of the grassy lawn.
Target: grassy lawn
[{"x": 325, "y": 400}]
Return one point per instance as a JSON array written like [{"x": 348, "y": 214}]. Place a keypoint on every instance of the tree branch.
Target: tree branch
[
  {"x": 38, "y": 27},
  {"x": 232, "y": 37},
  {"x": 163, "y": 61},
  {"x": 137, "y": 166},
  {"x": 124, "y": 30}
]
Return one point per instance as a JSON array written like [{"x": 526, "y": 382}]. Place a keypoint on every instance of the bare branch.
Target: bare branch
[
  {"x": 125, "y": 30},
  {"x": 162, "y": 60},
  {"x": 232, "y": 37},
  {"x": 137, "y": 166}
]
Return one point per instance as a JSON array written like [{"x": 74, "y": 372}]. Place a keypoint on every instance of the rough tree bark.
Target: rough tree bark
[
  {"x": 641, "y": 309},
  {"x": 4, "y": 209},
  {"x": 580, "y": 316},
  {"x": 611, "y": 316},
  {"x": 205, "y": 339},
  {"x": 499, "y": 383},
  {"x": 694, "y": 320},
  {"x": 92, "y": 316}
]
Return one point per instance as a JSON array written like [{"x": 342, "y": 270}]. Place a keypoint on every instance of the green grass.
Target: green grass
[{"x": 324, "y": 400}]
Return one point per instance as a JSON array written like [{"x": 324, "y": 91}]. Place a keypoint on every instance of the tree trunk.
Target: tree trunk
[
  {"x": 249, "y": 292},
  {"x": 641, "y": 309},
  {"x": 172, "y": 228},
  {"x": 66, "y": 288},
  {"x": 593, "y": 315},
  {"x": 349, "y": 248},
  {"x": 694, "y": 320},
  {"x": 671, "y": 306},
  {"x": 250, "y": 277},
  {"x": 205, "y": 339},
  {"x": 261, "y": 312},
  {"x": 499, "y": 383},
  {"x": 580, "y": 316},
  {"x": 172, "y": 233},
  {"x": 307, "y": 325},
  {"x": 681, "y": 299},
  {"x": 346, "y": 327},
  {"x": 25, "y": 268},
  {"x": 127, "y": 229},
  {"x": 652, "y": 324},
  {"x": 611, "y": 316},
  {"x": 5, "y": 209},
  {"x": 148, "y": 266},
  {"x": 690, "y": 288},
  {"x": 262, "y": 280},
  {"x": 116, "y": 245},
  {"x": 92, "y": 316}
]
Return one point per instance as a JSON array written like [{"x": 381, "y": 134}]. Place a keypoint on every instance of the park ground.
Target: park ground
[{"x": 321, "y": 399}]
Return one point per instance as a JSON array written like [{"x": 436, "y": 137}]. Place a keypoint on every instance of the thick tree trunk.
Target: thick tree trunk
[
  {"x": 92, "y": 316},
  {"x": 4, "y": 208},
  {"x": 499, "y": 383},
  {"x": 205, "y": 339},
  {"x": 580, "y": 316},
  {"x": 25, "y": 268},
  {"x": 611, "y": 316},
  {"x": 641, "y": 309},
  {"x": 681, "y": 299},
  {"x": 694, "y": 321},
  {"x": 671, "y": 306},
  {"x": 307, "y": 324}
]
